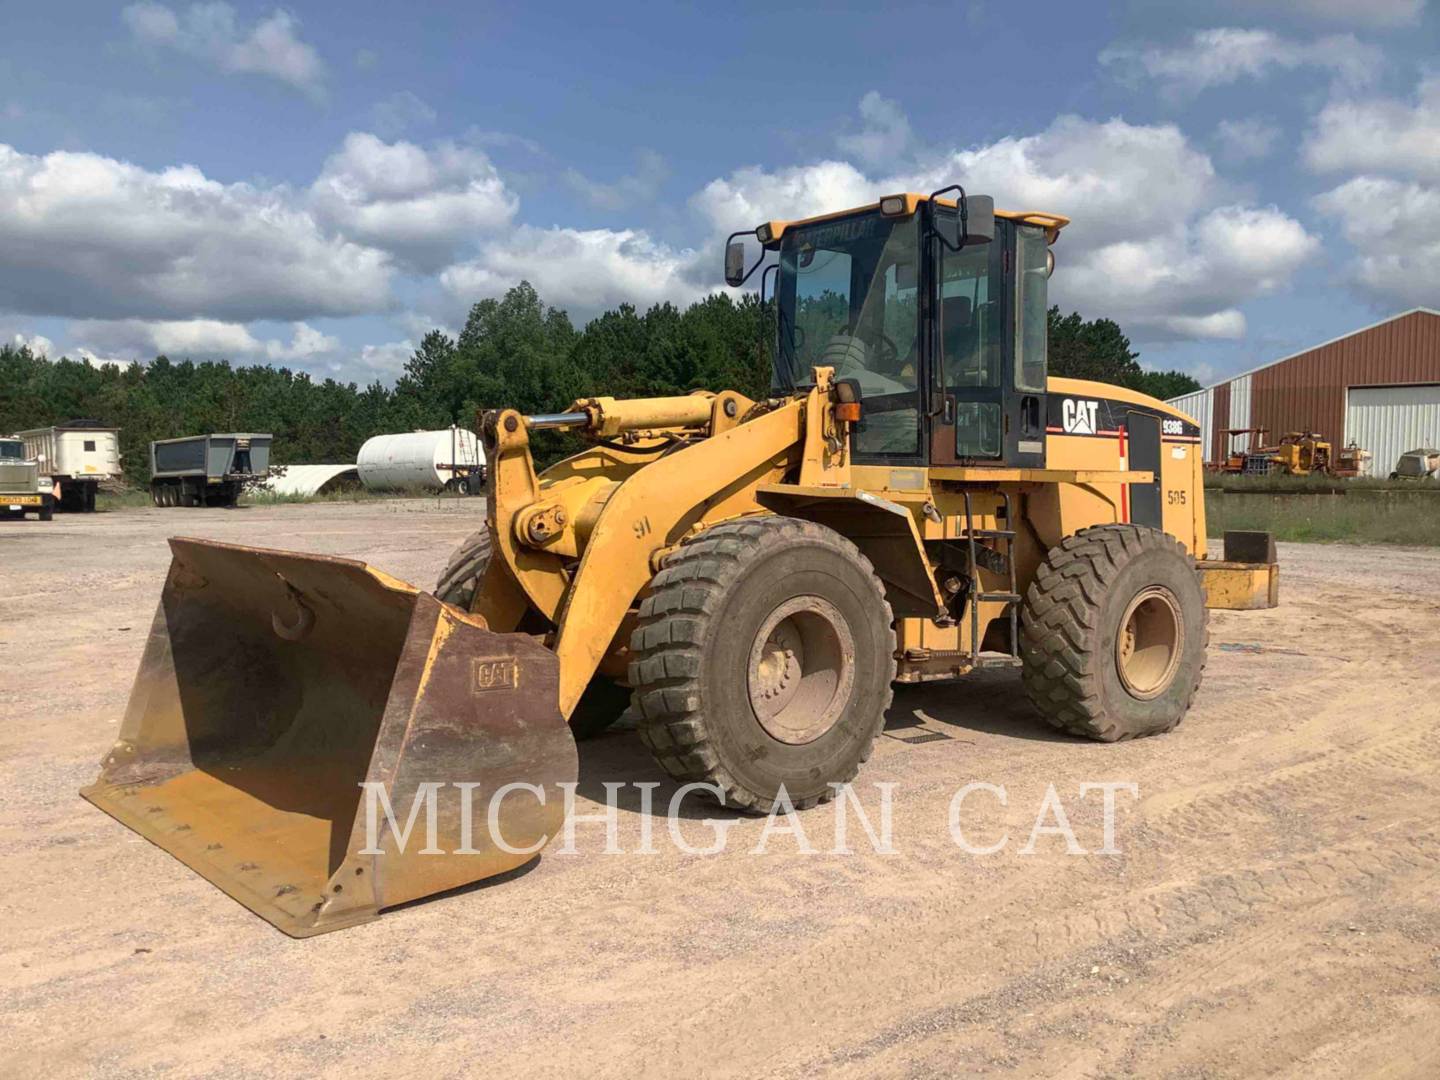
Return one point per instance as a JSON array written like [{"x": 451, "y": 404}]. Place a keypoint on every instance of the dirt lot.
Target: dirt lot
[{"x": 1273, "y": 907}]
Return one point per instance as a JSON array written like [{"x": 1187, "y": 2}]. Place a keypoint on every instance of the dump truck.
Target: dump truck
[
  {"x": 25, "y": 487},
  {"x": 914, "y": 499},
  {"x": 79, "y": 455},
  {"x": 207, "y": 470}
]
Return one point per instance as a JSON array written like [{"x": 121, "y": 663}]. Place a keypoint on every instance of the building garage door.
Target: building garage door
[{"x": 1388, "y": 420}]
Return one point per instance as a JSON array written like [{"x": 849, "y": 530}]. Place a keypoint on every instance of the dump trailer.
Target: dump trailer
[
  {"x": 206, "y": 470},
  {"x": 79, "y": 455},
  {"x": 25, "y": 487},
  {"x": 915, "y": 499}
]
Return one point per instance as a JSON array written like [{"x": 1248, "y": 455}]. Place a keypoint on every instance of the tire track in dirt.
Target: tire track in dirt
[
  {"x": 1018, "y": 949},
  {"x": 1269, "y": 900}
]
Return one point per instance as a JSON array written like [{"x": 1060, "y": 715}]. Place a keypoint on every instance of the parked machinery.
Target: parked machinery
[
  {"x": 25, "y": 487},
  {"x": 206, "y": 470},
  {"x": 1298, "y": 453},
  {"x": 1235, "y": 459},
  {"x": 1419, "y": 464},
  {"x": 1352, "y": 461},
  {"x": 1301, "y": 453},
  {"x": 79, "y": 455},
  {"x": 913, "y": 500}
]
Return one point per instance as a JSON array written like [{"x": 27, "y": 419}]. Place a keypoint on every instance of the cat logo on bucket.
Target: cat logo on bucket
[
  {"x": 1079, "y": 417},
  {"x": 495, "y": 673}
]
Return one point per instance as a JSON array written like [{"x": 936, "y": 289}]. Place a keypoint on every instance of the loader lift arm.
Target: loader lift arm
[{"x": 583, "y": 569}]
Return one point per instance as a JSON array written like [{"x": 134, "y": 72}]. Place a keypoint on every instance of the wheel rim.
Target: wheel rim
[
  {"x": 1150, "y": 643},
  {"x": 802, "y": 669}
]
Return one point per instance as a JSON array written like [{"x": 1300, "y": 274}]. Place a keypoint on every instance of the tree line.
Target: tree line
[{"x": 515, "y": 351}]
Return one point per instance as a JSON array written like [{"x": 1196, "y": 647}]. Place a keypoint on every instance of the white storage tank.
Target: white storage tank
[{"x": 420, "y": 460}]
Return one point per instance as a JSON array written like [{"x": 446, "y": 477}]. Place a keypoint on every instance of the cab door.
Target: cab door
[{"x": 988, "y": 344}]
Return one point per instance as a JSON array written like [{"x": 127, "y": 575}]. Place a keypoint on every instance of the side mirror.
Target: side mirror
[
  {"x": 979, "y": 222},
  {"x": 735, "y": 263},
  {"x": 980, "y": 219}
]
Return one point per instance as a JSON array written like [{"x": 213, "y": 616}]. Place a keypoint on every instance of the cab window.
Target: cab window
[
  {"x": 848, "y": 298},
  {"x": 1032, "y": 328},
  {"x": 972, "y": 343}
]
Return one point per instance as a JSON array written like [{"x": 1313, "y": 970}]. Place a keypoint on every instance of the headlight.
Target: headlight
[{"x": 763, "y": 233}]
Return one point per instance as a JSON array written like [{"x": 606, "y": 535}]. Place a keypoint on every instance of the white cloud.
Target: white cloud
[
  {"x": 1378, "y": 135},
  {"x": 422, "y": 205},
  {"x": 1188, "y": 280},
  {"x": 91, "y": 237},
  {"x": 1378, "y": 13},
  {"x": 95, "y": 360},
  {"x": 1124, "y": 179},
  {"x": 209, "y": 32},
  {"x": 400, "y": 112},
  {"x": 1226, "y": 325},
  {"x": 1394, "y": 226},
  {"x": 38, "y": 344},
  {"x": 201, "y": 339},
  {"x": 634, "y": 192},
  {"x": 1224, "y": 55},
  {"x": 751, "y": 195},
  {"x": 884, "y": 135},
  {"x": 388, "y": 359},
  {"x": 1244, "y": 140},
  {"x": 582, "y": 269}
]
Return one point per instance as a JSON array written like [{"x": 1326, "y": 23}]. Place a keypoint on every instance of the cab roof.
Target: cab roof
[{"x": 1053, "y": 223}]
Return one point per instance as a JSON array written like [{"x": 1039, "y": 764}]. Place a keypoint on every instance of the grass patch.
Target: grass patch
[
  {"x": 123, "y": 499},
  {"x": 1362, "y": 515},
  {"x": 1314, "y": 484}
]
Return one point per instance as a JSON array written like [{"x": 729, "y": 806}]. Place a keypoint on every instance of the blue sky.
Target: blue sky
[{"x": 319, "y": 184}]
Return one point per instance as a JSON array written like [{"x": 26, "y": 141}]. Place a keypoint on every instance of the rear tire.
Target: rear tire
[
  {"x": 465, "y": 569},
  {"x": 603, "y": 701},
  {"x": 1114, "y": 633},
  {"x": 763, "y": 657}
]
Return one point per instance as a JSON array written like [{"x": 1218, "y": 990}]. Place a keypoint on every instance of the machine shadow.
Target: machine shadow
[
  {"x": 984, "y": 702},
  {"x": 988, "y": 703}
]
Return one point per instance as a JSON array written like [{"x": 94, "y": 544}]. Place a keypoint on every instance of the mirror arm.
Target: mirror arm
[
  {"x": 775, "y": 359},
  {"x": 964, "y": 211}
]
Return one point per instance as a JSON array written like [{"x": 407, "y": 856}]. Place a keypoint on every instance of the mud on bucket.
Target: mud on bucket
[{"x": 274, "y": 683}]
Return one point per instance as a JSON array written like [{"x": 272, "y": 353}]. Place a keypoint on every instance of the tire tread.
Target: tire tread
[{"x": 676, "y": 621}]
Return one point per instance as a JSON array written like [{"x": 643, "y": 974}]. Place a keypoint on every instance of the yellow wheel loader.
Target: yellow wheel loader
[{"x": 913, "y": 501}]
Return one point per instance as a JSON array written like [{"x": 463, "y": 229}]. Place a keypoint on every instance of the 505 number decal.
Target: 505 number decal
[{"x": 1175, "y": 498}]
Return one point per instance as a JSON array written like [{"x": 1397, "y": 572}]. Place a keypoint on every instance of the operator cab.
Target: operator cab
[{"x": 934, "y": 307}]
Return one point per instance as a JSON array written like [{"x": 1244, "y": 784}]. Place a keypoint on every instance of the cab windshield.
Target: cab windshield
[
  {"x": 12, "y": 451},
  {"x": 848, "y": 298}
]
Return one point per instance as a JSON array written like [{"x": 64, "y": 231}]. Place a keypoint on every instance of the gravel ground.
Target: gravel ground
[{"x": 1272, "y": 906}]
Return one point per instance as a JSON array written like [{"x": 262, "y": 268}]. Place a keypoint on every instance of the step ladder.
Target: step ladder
[{"x": 1011, "y": 599}]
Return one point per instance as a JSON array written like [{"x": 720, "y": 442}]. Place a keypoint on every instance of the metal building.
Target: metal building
[{"x": 1378, "y": 387}]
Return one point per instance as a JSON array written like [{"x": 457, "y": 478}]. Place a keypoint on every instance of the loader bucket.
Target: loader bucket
[{"x": 274, "y": 684}]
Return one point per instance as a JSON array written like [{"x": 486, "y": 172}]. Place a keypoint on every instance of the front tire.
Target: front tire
[
  {"x": 1114, "y": 632},
  {"x": 763, "y": 658}
]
